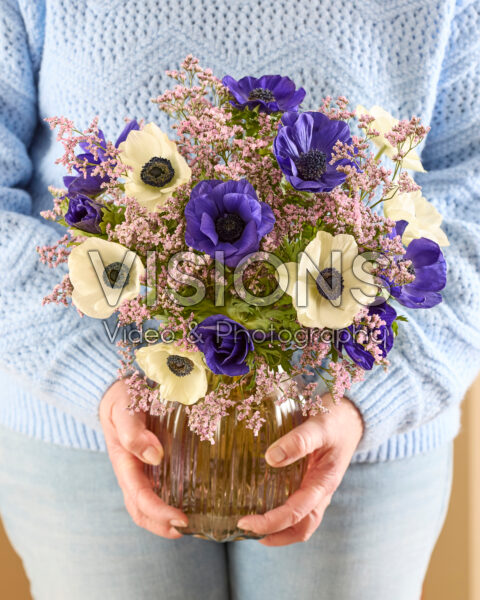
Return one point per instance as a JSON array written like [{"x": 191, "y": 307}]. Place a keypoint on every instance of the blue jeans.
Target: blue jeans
[{"x": 64, "y": 514}]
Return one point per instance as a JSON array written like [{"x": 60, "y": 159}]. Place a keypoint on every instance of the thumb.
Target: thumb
[
  {"x": 131, "y": 430},
  {"x": 296, "y": 444}
]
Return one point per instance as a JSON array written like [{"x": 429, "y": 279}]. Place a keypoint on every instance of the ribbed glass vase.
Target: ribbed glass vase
[{"x": 217, "y": 484}]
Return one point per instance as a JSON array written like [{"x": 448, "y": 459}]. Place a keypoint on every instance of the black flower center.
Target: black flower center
[
  {"x": 116, "y": 275},
  {"x": 261, "y": 94},
  {"x": 330, "y": 284},
  {"x": 179, "y": 365},
  {"x": 229, "y": 227},
  {"x": 157, "y": 172},
  {"x": 411, "y": 269},
  {"x": 311, "y": 165}
]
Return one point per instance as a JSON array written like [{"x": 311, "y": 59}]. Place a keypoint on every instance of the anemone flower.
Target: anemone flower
[
  {"x": 157, "y": 168},
  {"x": 226, "y": 216},
  {"x": 304, "y": 147},
  {"x": 181, "y": 374},
  {"x": 337, "y": 294},
  {"x": 271, "y": 93}
]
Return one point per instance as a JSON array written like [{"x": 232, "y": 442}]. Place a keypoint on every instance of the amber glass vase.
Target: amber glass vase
[{"x": 216, "y": 484}]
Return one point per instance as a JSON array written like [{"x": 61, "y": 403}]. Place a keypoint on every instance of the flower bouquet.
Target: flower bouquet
[{"x": 250, "y": 267}]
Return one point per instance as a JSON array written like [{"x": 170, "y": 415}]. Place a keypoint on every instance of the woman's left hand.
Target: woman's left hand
[{"x": 331, "y": 440}]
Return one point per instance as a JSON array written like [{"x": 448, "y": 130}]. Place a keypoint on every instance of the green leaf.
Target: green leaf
[
  {"x": 64, "y": 205},
  {"x": 115, "y": 215},
  {"x": 77, "y": 231}
]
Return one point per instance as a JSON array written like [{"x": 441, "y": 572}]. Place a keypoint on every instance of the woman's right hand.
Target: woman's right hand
[{"x": 129, "y": 445}]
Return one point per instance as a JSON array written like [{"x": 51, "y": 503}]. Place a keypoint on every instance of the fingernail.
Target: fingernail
[
  {"x": 178, "y": 523},
  {"x": 276, "y": 455},
  {"x": 243, "y": 525},
  {"x": 152, "y": 455}
]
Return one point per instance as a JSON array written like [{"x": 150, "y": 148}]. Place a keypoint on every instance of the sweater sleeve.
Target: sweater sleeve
[
  {"x": 61, "y": 358},
  {"x": 437, "y": 353}
]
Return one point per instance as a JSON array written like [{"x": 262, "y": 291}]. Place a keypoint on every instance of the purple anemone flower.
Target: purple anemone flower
[
  {"x": 430, "y": 270},
  {"x": 225, "y": 344},
  {"x": 226, "y": 216},
  {"x": 303, "y": 149},
  {"x": 271, "y": 93},
  {"x": 345, "y": 339},
  {"x": 83, "y": 213},
  {"x": 92, "y": 184}
]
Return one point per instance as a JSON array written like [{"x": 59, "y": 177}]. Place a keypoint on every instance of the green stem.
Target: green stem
[{"x": 380, "y": 152}]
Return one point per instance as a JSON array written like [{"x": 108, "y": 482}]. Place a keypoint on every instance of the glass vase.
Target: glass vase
[{"x": 217, "y": 484}]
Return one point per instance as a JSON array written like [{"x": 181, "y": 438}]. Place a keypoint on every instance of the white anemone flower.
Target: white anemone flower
[
  {"x": 422, "y": 217},
  {"x": 329, "y": 284},
  {"x": 157, "y": 168},
  {"x": 384, "y": 123},
  {"x": 181, "y": 374},
  {"x": 103, "y": 275}
]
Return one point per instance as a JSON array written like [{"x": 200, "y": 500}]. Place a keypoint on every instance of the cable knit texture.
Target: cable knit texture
[{"x": 81, "y": 58}]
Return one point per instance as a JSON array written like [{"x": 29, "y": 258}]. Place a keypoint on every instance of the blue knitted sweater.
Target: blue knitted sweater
[{"x": 79, "y": 58}]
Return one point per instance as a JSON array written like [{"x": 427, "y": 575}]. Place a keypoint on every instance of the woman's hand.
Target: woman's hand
[
  {"x": 129, "y": 445},
  {"x": 331, "y": 440}
]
